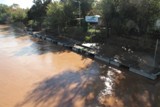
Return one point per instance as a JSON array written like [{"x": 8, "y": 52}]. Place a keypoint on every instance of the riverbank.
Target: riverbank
[
  {"x": 138, "y": 62},
  {"x": 130, "y": 61}
]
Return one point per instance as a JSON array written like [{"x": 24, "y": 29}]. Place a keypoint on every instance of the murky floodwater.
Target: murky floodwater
[{"x": 34, "y": 73}]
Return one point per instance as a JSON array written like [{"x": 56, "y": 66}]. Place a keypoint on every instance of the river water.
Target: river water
[{"x": 34, "y": 73}]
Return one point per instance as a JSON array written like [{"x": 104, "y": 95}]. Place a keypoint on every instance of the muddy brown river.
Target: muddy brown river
[{"x": 35, "y": 73}]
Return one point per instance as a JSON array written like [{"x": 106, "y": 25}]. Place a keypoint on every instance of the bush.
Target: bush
[{"x": 75, "y": 32}]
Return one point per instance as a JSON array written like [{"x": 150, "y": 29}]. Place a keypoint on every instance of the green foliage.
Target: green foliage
[
  {"x": 12, "y": 14},
  {"x": 93, "y": 30},
  {"x": 18, "y": 14},
  {"x": 88, "y": 38},
  {"x": 32, "y": 23},
  {"x": 86, "y": 6},
  {"x": 117, "y": 14},
  {"x": 4, "y": 15},
  {"x": 55, "y": 15},
  {"x": 75, "y": 32},
  {"x": 38, "y": 11},
  {"x": 68, "y": 10},
  {"x": 130, "y": 17}
]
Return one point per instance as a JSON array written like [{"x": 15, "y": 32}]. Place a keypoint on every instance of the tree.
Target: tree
[
  {"x": 55, "y": 16},
  {"x": 68, "y": 10},
  {"x": 38, "y": 11},
  {"x": 18, "y": 14},
  {"x": 86, "y": 6},
  {"x": 108, "y": 12},
  {"x": 117, "y": 14},
  {"x": 4, "y": 15}
]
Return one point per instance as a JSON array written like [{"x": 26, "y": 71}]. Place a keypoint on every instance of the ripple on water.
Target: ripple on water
[{"x": 109, "y": 82}]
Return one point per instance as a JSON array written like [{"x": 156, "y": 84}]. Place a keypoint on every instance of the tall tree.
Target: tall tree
[
  {"x": 4, "y": 15},
  {"x": 127, "y": 15},
  {"x": 38, "y": 11},
  {"x": 55, "y": 16},
  {"x": 17, "y": 14}
]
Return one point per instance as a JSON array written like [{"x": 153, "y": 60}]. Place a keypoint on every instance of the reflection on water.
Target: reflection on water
[{"x": 110, "y": 80}]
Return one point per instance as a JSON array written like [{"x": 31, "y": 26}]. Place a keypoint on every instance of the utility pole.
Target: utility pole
[{"x": 79, "y": 11}]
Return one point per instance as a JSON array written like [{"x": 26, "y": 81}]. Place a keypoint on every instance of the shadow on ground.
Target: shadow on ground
[
  {"x": 69, "y": 89},
  {"x": 136, "y": 91},
  {"x": 95, "y": 85}
]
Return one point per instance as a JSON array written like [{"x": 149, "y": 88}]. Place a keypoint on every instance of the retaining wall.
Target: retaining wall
[{"x": 106, "y": 60}]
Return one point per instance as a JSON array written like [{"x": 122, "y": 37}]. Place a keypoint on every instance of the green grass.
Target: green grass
[
  {"x": 88, "y": 38},
  {"x": 93, "y": 31}
]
